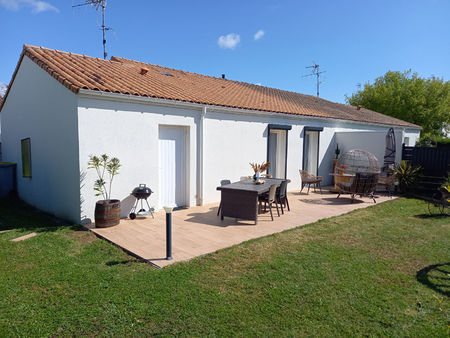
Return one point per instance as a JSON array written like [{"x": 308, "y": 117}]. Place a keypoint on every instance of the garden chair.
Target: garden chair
[
  {"x": 282, "y": 196},
  {"x": 270, "y": 199},
  {"x": 308, "y": 179},
  {"x": 387, "y": 182},
  {"x": 363, "y": 184},
  {"x": 222, "y": 183}
]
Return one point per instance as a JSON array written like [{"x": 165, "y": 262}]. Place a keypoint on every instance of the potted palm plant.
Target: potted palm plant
[
  {"x": 407, "y": 176},
  {"x": 107, "y": 210}
]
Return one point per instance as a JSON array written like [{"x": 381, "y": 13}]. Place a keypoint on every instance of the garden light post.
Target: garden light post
[{"x": 168, "y": 211}]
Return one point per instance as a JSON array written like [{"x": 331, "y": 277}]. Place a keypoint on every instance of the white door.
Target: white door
[{"x": 172, "y": 166}]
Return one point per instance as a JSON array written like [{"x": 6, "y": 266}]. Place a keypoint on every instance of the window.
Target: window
[
  {"x": 26, "y": 157},
  {"x": 311, "y": 149},
  {"x": 277, "y": 141}
]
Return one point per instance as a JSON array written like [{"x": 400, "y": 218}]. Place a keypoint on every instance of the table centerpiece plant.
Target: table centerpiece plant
[{"x": 259, "y": 169}]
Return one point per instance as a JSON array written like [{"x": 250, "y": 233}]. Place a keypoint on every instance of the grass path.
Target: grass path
[{"x": 356, "y": 274}]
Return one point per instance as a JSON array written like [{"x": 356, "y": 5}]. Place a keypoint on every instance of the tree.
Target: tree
[{"x": 406, "y": 96}]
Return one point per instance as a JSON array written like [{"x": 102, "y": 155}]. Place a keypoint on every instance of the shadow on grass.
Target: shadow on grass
[
  {"x": 125, "y": 262},
  {"x": 429, "y": 216},
  {"x": 15, "y": 214},
  {"x": 436, "y": 277},
  {"x": 133, "y": 260}
]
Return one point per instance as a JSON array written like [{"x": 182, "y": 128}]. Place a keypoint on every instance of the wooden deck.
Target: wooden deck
[{"x": 197, "y": 231}]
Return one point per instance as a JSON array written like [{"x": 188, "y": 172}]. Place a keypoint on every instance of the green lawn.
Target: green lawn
[{"x": 370, "y": 272}]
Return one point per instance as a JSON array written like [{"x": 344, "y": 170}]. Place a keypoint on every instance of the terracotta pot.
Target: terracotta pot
[{"x": 107, "y": 213}]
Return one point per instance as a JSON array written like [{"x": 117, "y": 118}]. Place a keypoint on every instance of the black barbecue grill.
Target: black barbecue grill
[{"x": 141, "y": 193}]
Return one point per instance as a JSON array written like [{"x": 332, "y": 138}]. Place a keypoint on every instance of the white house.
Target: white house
[{"x": 178, "y": 132}]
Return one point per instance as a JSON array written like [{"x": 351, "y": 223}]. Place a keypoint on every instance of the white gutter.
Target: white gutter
[{"x": 198, "y": 106}]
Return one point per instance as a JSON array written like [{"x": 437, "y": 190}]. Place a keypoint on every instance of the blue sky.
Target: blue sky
[{"x": 261, "y": 41}]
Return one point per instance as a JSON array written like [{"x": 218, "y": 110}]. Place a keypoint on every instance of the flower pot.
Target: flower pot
[
  {"x": 107, "y": 213},
  {"x": 257, "y": 177}
]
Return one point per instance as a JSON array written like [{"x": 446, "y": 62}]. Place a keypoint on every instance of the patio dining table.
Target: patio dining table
[{"x": 240, "y": 199}]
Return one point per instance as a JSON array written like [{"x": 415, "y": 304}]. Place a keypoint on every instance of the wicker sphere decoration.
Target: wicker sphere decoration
[
  {"x": 357, "y": 161},
  {"x": 356, "y": 172}
]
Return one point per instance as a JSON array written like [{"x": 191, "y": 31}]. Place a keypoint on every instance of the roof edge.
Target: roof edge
[
  {"x": 128, "y": 97},
  {"x": 318, "y": 99},
  {"x": 27, "y": 51},
  {"x": 2, "y": 103}
]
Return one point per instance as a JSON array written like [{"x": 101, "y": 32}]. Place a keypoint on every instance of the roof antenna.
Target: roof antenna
[
  {"x": 99, "y": 4},
  {"x": 315, "y": 71}
]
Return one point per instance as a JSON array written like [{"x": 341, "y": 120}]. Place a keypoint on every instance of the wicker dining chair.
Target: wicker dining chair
[
  {"x": 270, "y": 199},
  {"x": 282, "y": 196},
  {"x": 387, "y": 182},
  {"x": 222, "y": 183},
  {"x": 308, "y": 179},
  {"x": 363, "y": 184}
]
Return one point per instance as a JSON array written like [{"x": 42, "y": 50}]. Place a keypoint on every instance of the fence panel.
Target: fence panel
[{"x": 434, "y": 161}]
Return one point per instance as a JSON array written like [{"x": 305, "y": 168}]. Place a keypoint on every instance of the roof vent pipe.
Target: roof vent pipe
[{"x": 223, "y": 76}]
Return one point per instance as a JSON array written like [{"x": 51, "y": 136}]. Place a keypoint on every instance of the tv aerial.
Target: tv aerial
[
  {"x": 315, "y": 71},
  {"x": 100, "y": 5}
]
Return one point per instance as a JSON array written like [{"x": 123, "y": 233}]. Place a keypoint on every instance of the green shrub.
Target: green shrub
[
  {"x": 427, "y": 140},
  {"x": 407, "y": 176},
  {"x": 442, "y": 142},
  {"x": 445, "y": 187}
]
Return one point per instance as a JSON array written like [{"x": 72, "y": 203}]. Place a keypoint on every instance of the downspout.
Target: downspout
[
  {"x": 200, "y": 147},
  {"x": 401, "y": 148}
]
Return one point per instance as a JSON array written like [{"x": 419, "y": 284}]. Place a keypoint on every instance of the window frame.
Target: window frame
[
  {"x": 319, "y": 130},
  {"x": 279, "y": 127},
  {"x": 26, "y": 142}
]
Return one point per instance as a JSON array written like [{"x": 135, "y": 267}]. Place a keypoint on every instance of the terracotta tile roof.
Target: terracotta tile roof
[{"x": 124, "y": 76}]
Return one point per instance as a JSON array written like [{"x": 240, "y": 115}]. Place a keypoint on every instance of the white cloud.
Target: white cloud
[
  {"x": 229, "y": 41},
  {"x": 36, "y": 6},
  {"x": 3, "y": 88},
  {"x": 258, "y": 35}
]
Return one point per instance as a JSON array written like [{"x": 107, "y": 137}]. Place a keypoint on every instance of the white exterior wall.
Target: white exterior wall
[
  {"x": 129, "y": 131},
  {"x": 234, "y": 140},
  {"x": 42, "y": 109},
  {"x": 231, "y": 139},
  {"x": 373, "y": 142},
  {"x": 412, "y": 135}
]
